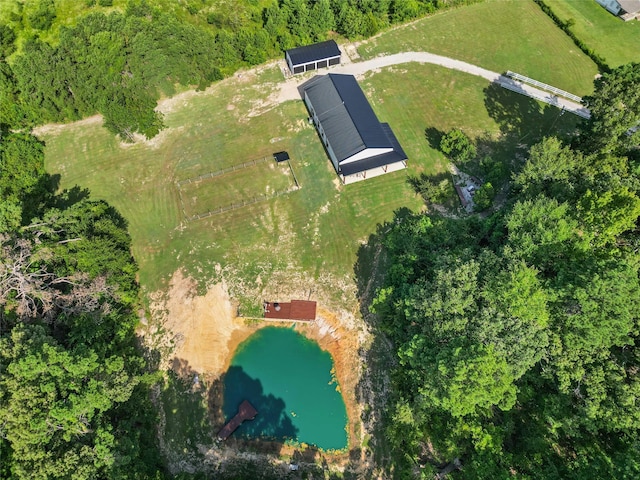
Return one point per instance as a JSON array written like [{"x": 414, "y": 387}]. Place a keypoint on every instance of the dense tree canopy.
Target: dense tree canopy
[
  {"x": 517, "y": 334},
  {"x": 615, "y": 108},
  {"x": 73, "y": 401},
  {"x": 118, "y": 62}
]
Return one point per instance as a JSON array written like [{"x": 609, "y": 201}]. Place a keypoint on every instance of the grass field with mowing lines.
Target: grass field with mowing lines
[
  {"x": 616, "y": 41},
  {"x": 261, "y": 180},
  {"x": 307, "y": 241},
  {"x": 499, "y": 35}
]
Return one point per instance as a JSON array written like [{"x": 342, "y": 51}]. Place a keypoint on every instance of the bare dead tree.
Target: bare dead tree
[{"x": 31, "y": 290}]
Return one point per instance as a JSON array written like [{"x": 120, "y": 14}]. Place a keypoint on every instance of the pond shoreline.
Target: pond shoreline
[
  {"x": 328, "y": 332},
  {"x": 199, "y": 334}
]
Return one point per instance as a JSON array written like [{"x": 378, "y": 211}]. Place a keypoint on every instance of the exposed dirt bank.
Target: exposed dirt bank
[
  {"x": 194, "y": 332},
  {"x": 200, "y": 333}
]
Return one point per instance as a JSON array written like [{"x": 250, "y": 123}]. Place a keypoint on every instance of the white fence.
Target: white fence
[
  {"x": 538, "y": 94},
  {"x": 544, "y": 86}
]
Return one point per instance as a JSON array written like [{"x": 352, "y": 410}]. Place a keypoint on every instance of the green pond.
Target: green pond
[{"x": 289, "y": 380}]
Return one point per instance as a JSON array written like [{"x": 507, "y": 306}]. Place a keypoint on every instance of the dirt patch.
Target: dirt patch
[
  {"x": 200, "y": 331},
  {"x": 55, "y": 128},
  {"x": 153, "y": 142},
  {"x": 200, "y": 334}
]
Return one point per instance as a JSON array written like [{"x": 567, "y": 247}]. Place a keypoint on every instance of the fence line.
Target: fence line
[
  {"x": 184, "y": 210},
  {"x": 584, "y": 113},
  {"x": 544, "y": 86},
  {"x": 243, "y": 203},
  {"x": 293, "y": 173},
  {"x": 232, "y": 206},
  {"x": 217, "y": 173}
]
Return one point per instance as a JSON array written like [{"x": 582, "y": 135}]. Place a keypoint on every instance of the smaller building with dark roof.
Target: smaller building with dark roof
[
  {"x": 313, "y": 57},
  {"x": 359, "y": 145}
]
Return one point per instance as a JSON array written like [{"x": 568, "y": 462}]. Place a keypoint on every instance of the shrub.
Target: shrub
[{"x": 457, "y": 146}]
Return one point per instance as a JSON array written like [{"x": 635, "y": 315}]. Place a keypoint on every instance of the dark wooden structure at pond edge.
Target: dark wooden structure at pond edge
[
  {"x": 295, "y": 310},
  {"x": 246, "y": 411}
]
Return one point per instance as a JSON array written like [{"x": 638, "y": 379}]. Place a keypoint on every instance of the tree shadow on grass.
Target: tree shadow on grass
[
  {"x": 186, "y": 417},
  {"x": 373, "y": 390},
  {"x": 523, "y": 122},
  {"x": 434, "y": 137},
  {"x": 71, "y": 196},
  {"x": 522, "y": 119}
]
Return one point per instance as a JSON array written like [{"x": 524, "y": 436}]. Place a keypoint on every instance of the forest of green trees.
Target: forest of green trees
[
  {"x": 516, "y": 333},
  {"x": 74, "y": 397},
  {"x": 117, "y": 62}
]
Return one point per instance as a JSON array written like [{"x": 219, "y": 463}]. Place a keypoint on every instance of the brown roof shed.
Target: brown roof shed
[{"x": 295, "y": 310}]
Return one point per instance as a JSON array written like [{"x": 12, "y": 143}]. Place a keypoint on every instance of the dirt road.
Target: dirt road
[{"x": 289, "y": 89}]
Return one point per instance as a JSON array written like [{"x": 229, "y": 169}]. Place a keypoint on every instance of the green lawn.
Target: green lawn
[
  {"x": 305, "y": 240},
  {"x": 616, "y": 41},
  {"x": 246, "y": 184},
  {"x": 499, "y": 35}
]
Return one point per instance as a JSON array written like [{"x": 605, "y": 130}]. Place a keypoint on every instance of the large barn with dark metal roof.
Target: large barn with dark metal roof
[
  {"x": 313, "y": 57},
  {"x": 359, "y": 146}
]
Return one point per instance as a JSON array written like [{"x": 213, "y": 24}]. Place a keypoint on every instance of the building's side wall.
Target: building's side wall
[
  {"x": 288, "y": 59},
  {"x": 374, "y": 172},
  {"x": 316, "y": 64},
  {"x": 320, "y": 130}
]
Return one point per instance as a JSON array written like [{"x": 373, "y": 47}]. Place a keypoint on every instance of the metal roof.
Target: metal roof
[
  {"x": 281, "y": 156},
  {"x": 312, "y": 53},
  {"x": 350, "y": 123},
  {"x": 345, "y": 115}
]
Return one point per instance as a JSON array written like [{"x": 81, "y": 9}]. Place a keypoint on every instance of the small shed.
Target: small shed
[
  {"x": 294, "y": 310},
  {"x": 281, "y": 156},
  {"x": 313, "y": 57}
]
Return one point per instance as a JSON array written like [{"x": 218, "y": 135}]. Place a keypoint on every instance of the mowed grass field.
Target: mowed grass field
[
  {"x": 248, "y": 184},
  {"x": 306, "y": 242},
  {"x": 617, "y": 42},
  {"x": 498, "y": 35}
]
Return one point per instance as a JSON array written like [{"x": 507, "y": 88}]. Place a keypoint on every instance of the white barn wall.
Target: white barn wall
[
  {"x": 374, "y": 172},
  {"x": 366, "y": 153}
]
